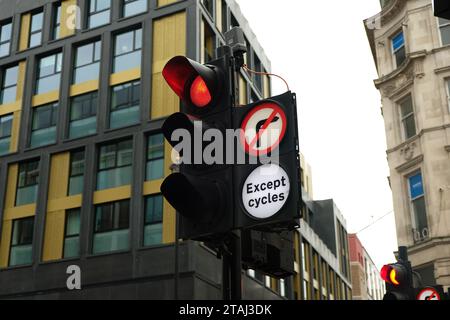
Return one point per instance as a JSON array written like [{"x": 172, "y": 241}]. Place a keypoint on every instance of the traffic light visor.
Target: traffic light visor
[{"x": 193, "y": 82}]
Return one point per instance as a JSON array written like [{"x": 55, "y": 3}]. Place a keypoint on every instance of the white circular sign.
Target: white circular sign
[
  {"x": 265, "y": 191},
  {"x": 429, "y": 294}
]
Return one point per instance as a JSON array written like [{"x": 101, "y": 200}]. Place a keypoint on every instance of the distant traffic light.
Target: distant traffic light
[
  {"x": 399, "y": 278},
  {"x": 202, "y": 194},
  {"x": 442, "y": 9}
]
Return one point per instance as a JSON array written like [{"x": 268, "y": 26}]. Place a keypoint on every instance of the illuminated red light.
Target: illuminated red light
[
  {"x": 200, "y": 95},
  {"x": 389, "y": 275}
]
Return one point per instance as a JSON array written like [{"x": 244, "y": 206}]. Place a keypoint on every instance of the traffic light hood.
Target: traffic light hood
[{"x": 194, "y": 83}]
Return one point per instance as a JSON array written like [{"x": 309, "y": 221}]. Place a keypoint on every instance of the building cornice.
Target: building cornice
[
  {"x": 390, "y": 11},
  {"x": 410, "y": 164},
  {"x": 433, "y": 242},
  {"x": 410, "y": 69}
]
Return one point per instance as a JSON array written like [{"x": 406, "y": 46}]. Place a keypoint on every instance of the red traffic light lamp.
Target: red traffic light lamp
[
  {"x": 394, "y": 274},
  {"x": 197, "y": 85}
]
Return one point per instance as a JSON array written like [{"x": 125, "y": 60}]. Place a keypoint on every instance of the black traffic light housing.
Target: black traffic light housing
[
  {"x": 200, "y": 192},
  {"x": 399, "y": 278},
  {"x": 442, "y": 9}
]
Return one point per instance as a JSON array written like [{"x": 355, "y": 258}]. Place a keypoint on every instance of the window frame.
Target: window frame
[
  {"x": 403, "y": 118},
  {"x": 27, "y": 172},
  {"x": 133, "y": 50},
  {"x": 440, "y": 27},
  {"x": 76, "y": 67},
  {"x": 56, "y": 21},
  {"x": 59, "y": 56},
  {"x": 7, "y": 137},
  {"x": 149, "y": 160},
  {"x": 411, "y": 201},
  {"x": 395, "y": 51},
  {"x": 54, "y": 112},
  {"x": 123, "y": 5},
  {"x": 112, "y": 204},
  {"x": 3, "y": 85},
  {"x": 447, "y": 91},
  {"x": 72, "y": 154},
  {"x": 41, "y": 30},
  {"x": 70, "y": 120},
  {"x": 155, "y": 222},
  {"x": 9, "y": 41},
  {"x": 131, "y": 102},
  {"x": 66, "y": 236},
  {"x": 11, "y": 246},
  {"x": 90, "y": 13}
]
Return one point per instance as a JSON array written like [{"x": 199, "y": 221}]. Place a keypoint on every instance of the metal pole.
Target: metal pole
[
  {"x": 226, "y": 276},
  {"x": 236, "y": 266}
]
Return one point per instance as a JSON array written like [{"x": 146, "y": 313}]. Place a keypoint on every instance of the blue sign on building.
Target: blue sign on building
[{"x": 416, "y": 186}]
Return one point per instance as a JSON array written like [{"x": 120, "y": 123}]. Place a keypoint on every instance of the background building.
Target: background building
[
  {"x": 411, "y": 49},
  {"x": 366, "y": 281}
]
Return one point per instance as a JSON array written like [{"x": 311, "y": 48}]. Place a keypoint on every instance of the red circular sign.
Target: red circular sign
[{"x": 263, "y": 129}]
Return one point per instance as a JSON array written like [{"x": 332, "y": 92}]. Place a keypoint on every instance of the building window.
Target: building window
[
  {"x": 448, "y": 93},
  {"x": 208, "y": 4},
  {"x": 155, "y": 157},
  {"x": 112, "y": 222},
  {"x": 444, "y": 26},
  {"x": 408, "y": 118},
  {"x": 83, "y": 115},
  {"x": 22, "y": 242},
  {"x": 209, "y": 43},
  {"x": 99, "y": 13},
  {"x": 49, "y": 73},
  {"x": 153, "y": 220},
  {"x": 27, "y": 184},
  {"x": 87, "y": 62},
  {"x": 115, "y": 165},
  {"x": 5, "y": 39},
  {"x": 43, "y": 131},
  {"x": 9, "y": 85},
  {"x": 72, "y": 234},
  {"x": 127, "y": 54},
  {"x": 418, "y": 206},
  {"x": 5, "y": 133},
  {"x": 133, "y": 7},
  {"x": 258, "y": 78},
  {"x": 398, "y": 48},
  {"x": 76, "y": 179},
  {"x": 125, "y": 105},
  {"x": 37, "y": 22},
  {"x": 56, "y": 21}
]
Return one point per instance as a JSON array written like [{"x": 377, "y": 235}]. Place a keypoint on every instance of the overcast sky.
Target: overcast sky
[{"x": 321, "y": 49}]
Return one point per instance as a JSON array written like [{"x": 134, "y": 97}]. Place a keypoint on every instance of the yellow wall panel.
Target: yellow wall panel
[
  {"x": 10, "y": 200},
  {"x": 20, "y": 212},
  {"x": 169, "y": 40},
  {"x": 15, "y": 131},
  {"x": 10, "y": 107},
  {"x": 54, "y": 236},
  {"x": 24, "y": 31},
  {"x": 5, "y": 243},
  {"x": 45, "y": 98},
  {"x": 219, "y": 15},
  {"x": 243, "y": 97},
  {"x": 65, "y": 203},
  {"x": 125, "y": 76},
  {"x": 68, "y": 23},
  {"x": 165, "y": 2},
  {"x": 267, "y": 93},
  {"x": 112, "y": 195},
  {"x": 21, "y": 80},
  {"x": 84, "y": 87},
  {"x": 152, "y": 187},
  {"x": 59, "y": 176}
]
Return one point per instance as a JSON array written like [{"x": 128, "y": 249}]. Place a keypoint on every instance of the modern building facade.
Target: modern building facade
[
  {"x": 366, "y": 281},
  {"x": 411, "y": 49}
]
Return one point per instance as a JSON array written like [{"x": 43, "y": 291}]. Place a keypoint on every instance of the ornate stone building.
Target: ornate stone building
[{"x": 411, "y": 49}]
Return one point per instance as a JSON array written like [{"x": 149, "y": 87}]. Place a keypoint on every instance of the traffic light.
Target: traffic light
[
  {"x": 267, "y": 187},
  {"x": 442, "y": 9},
  {"x": 270, "y": 253},
  {"x": 398, "y": 280},
  {"x": 200, "y": 192}
]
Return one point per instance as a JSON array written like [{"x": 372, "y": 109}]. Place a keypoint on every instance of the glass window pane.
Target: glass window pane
[
  {"x": 21, "y": 255},
  {"x": 407, "y": 107},
  {"x": 445, "y": 35},
  {"x": 73, "y": 223},
  {"x": 35, "y": 39},
  {"x": 420, "y": 214},
  {"x": 154, "y": 210},
  {"x": 127, "y": 62},
  {"x": 398, "y": 41},
  {"x": 97, "y": 51},
  {"x": 23, "y": 232},
  {"x": 114, "y": 178},
  {"x": 111, "y": 241},
  {"x": 5, "y": 144},
  {"x": 85, "y": 55},
  {"x": 155, "y": 146},
  {"x": 36, "y": 21},
  {"x": 125, "y": 153},
  {"x": 124, "y": 43},
  {"x": 6, "y": 32},
  {"x": 43, "y": 137},
  {"x": 410, "y": 127},
  {"x": 155, "y": 169},
  {"x": 82, "y": 128},
  {"x": 124, "y": 117},
  {"x": 26, "y": 195},
  {"x": 99, "y": 19},
  {"x": 48, "y": 84},
  {"x": 77, "y": 163},
  {"x": 76, "y": 185},
  {"x": 107, "y": 157},
  {"x": 5, "y": 126},
  {"x": 135, "y": 7},
  {"x": 9, "y": 95},
  {"x": 120, "y": 96},
  {"x": 47, "y": 66},
  {"x": 4, "y": 49},
  {"x": 153, "y": 235},
  {"x": 11, "y": 75},
  {"x": 400, "y": 56},
  {"x": 138, "y": 39},
  {"x": 72, "y": 247},
  {"x": 103, "y": 4},
  {"x": 87, "y": 73}
]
